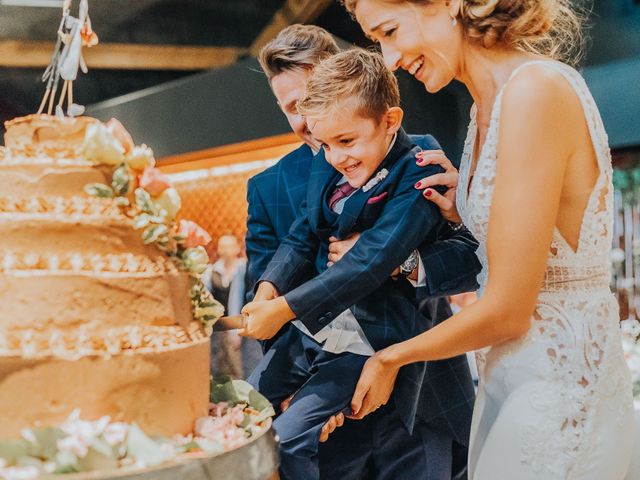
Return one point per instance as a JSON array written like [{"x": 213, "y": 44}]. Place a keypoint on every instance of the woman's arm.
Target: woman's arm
[{"x": 540, "y": 119}]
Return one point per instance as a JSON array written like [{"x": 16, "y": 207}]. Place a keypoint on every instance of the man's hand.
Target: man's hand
[
  {"x": 266, "y": 291},
  {"x": 328, "y": 428},
  {"x": 264, "y": 318},
  {"x": 338, "y": 248}
]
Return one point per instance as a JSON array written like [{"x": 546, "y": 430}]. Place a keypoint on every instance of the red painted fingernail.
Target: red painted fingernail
[
  {"x": 417, "y": 185},
  {"x": 428, "y": 193}
]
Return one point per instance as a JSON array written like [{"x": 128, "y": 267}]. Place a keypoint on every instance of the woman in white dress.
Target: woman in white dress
[{"x": 554, "y": 400}]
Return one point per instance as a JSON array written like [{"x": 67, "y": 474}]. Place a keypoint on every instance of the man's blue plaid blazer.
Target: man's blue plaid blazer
[
  {"x": 388, "y": 310},
  {"x": 275, "y": 197}
]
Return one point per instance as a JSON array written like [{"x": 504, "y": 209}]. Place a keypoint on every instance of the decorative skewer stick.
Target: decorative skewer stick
[
  {"x": 44, "y": 100},
  {"x": 62, "y": 95}
]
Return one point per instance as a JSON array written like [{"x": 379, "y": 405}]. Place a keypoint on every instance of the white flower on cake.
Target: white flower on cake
[
  {"x": 100, "y": 146},
  {"x": 195, "y": 259},
  {"x": 169, "y": 201},
  {"x": 141, "y": 157},
  {"x": 115, "y": 433}
]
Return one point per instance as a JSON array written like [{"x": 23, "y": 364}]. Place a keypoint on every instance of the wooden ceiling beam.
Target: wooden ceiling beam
[
  {"x": 293, "y": 11},
  {"x": 124, "y": 56}
]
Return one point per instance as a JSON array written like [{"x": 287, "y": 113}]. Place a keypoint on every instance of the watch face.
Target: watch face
[{"x": 409, "y": 264}]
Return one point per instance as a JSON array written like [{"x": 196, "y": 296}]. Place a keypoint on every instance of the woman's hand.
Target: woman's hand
[
  {"x": 374, "y": 387},
  {"x": 338, "y": 248},
  {"x": 264, "y": 318},
  {"x": 449, "y": 179}
]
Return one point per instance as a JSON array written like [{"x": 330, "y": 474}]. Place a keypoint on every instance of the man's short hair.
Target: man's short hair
[
  {"x": 357, "y": 78},
  {"x": 296, "y": 47}
]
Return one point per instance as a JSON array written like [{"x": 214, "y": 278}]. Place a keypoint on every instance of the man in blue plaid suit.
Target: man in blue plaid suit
[
  {"x": 454, "y": 399},
  {"x": 275, "y": 197}
]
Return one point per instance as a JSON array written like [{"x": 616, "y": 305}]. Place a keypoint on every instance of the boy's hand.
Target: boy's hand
[
  {"x": 338, "y": 248},
  {"x": 264, "y": 318}
]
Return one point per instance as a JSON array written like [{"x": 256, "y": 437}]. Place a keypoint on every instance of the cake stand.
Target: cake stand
[{"x": 256, "y": 460}]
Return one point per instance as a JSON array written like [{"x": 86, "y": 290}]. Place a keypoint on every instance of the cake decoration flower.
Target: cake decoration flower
[
  {"x": 101, "y": 146},
  {"x": 169, "y": 201},
  {"x": 140, "y": 158},
  {"x": 121, "y": 134},
  {"x": 154, "y": 181},
  {"x": 195, "y": 259},
  {"x": 192, "y": 235}
]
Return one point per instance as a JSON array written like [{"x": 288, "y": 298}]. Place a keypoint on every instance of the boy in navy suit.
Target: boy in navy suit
[{"x": 353, "y": 308}]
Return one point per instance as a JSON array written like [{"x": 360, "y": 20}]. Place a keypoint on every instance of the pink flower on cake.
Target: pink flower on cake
[
  {"x": 154, "y": 181},
  {"x": 121, "y": 134},
  {"x": 193, "y": 234}
]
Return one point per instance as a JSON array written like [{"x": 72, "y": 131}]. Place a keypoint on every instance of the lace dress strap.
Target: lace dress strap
[{"x": 592, "y": 115}]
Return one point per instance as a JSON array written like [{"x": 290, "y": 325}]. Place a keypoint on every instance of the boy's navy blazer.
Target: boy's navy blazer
[{"x": 386, "y": 309}]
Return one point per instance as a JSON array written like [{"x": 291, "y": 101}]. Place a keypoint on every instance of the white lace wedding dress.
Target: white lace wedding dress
[{"x": 557, "y": 403}]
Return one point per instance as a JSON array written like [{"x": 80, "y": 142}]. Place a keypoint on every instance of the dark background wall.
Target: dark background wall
[{"x": 234, "y": 104}]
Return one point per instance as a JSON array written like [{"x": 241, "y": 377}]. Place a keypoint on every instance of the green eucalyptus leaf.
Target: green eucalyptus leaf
[
  {"x": 99, "y": 190},
  {"x": 121, "y": 179},
  {"x": 143, "y": 449},
  {"x": 141, "y": 221},
  {"x": 100, "y": 456},
  {"x": 10, "y": 450},
  {"x": 192, "y": 445},
  {"x": 259, "y": 402},
  {"x": 144, "y": 203},
  {"x": 122, "y": 202},
  {"x": 45, "y": 444},
  {"x": 224, "y": 393},
  {"x": 153, "y": 232},
  {"x": 28, "y": 461}
]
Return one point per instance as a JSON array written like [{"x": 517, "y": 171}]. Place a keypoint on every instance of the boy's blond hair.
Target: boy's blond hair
[
  {"x": 296, "y": 47},
  {"x": 357, "y": 78}
]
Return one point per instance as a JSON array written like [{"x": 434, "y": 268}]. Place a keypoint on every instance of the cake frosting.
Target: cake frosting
[{"x": 93, "y": 314}]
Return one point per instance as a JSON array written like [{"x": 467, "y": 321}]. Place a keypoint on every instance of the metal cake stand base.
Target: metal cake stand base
[{"x": 257, "y": 460}]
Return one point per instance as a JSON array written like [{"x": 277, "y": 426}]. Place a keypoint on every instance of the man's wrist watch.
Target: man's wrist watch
[
  {"x": 410, "y": 264},
  {"x": 455, "y": 226}
]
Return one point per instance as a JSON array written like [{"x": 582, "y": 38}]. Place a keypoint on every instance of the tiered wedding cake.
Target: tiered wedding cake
[{"x": 94, "y": 314}]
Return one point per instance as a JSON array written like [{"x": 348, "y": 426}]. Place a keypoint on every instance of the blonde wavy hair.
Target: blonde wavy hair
[
  {"x": 356, "y": 79},
  {"x": 552, "y": 28}
]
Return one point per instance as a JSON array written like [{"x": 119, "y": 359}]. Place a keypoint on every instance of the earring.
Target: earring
[{"x": 454, "y": 21}]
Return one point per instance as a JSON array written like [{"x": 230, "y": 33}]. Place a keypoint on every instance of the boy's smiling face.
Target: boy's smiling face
[{"x": 354, "y": 144}]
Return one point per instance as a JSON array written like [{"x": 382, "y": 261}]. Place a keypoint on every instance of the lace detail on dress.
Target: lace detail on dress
[{"x": 574, "y": 344}]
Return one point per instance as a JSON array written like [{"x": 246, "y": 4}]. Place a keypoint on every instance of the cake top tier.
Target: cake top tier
[{"x": 35, "y": 134}]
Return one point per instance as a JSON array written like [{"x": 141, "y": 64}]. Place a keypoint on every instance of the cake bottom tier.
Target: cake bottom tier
[{"x": 163, "y": 391}]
